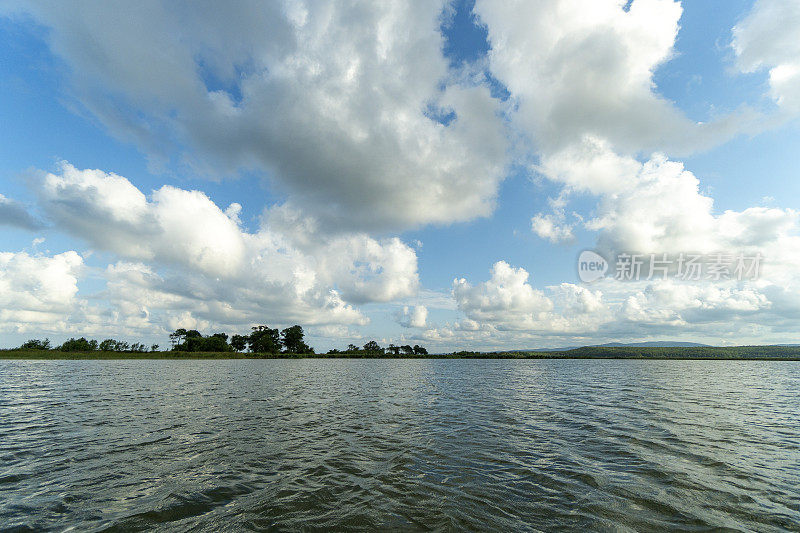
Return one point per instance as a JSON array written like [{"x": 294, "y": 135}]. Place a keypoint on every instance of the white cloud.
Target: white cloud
[
  {"x": 193, "y": 300},
  {"x": 569, "y": 314},
  {"x": 506, "y": 299},
  {"x": 336, "y": 102},
  {"x": 177, "y": 227},
  {"x": 658, "y": 207},
  {"x": 552, "y": 228},
  {"x": 580, "y": 68},
  {"x": 37, "y": 291},
  {"x": 767, "y": 39},
  {"x": 186, "y": 261},
  {"x": 367, "y": 270},
  {"x": 416, "y": 317},
  {"x": 186, "y": 229},
  {"x": 685, "y": 304}
]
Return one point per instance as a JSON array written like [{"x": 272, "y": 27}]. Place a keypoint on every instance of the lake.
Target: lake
[{"x": 318, "y": 444}]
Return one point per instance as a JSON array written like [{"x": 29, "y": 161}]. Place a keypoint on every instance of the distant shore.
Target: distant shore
[{"x": 761, "y": 353}]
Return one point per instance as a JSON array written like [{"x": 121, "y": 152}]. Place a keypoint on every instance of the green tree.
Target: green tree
[
  {"x": 218, "y": 342},
  {"x": 76, "y": 345},
  {"x": 419, "y": 350},
  {"x": 406, "y": 349},
  {"x": 108, "y": 345},
  {"x": 292, "y": 339},
  {"x": 264, "y": 339},
  {"x": 36, "y": 344},
  {"x": 239, "y": 342}
]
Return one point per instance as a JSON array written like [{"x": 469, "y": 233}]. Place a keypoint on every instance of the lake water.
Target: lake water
[{"x": 399, "y": 444}]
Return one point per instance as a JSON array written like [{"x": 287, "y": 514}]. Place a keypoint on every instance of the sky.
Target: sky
[{"x": 414, "y": 173}]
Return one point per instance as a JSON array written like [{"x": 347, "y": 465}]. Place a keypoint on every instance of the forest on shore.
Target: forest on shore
[{"x": 262, "y": 341}]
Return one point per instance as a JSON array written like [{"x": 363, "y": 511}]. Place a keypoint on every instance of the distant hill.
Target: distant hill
[{"x": 649, "y": 344}]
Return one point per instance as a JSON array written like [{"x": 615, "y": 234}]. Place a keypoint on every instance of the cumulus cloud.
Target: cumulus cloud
[
  {"x": 681, "y": 304},
  {"x": 767, "y": 39},
  {"x": 343, "y": 105},
  {"x": 14, "y": 214},
  {"x": 506, "y": 299},
  {"x": 585, "y": 68},
  {"x": 416, "y": 317},
  {"x": 195, "y": 301},
  {"x": 177, "y": 226},
  {"x": 552, "y": 228},
  {"x": 657, "y": 206},
  {"x": 37, "y": 291},
  {"x": 185, "y": 260},
  {"x": 569, "y": 314}
]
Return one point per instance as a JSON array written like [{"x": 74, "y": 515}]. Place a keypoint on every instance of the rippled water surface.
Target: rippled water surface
[{"x": 399, "y": 444}]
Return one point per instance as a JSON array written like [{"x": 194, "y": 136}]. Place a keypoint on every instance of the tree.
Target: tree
[
  {"x": 373, "y": 348},
  {"x": 218, "y": 342},
  {"x": 154, "y": 348},
  {"x": 292, "y": 339},
  {"x": 186, "y": 340},
  {"x": 406, "y": 349},
  {"x": 36, "y": 344},
  {"x": 394, "y": 349},
  {"x": 178, "y": 337},
  {"x": 264, "y": 339},
  {"x": 351, "y": 348},
  {"x": 238, "y": 342},
  {"x": 76, "y": 345},
  {"x": 107, "y": 345},
  {"x": 419, "y": 350}
]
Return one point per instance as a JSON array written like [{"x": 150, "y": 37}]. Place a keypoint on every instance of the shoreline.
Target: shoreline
[{"x": 730, "y": 353}]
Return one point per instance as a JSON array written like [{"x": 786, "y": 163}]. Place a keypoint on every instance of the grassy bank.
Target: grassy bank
[{"x": 783, "y": 353}]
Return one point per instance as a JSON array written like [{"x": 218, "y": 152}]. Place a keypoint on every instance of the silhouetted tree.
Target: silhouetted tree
[
  {"x": 406, "y": 349},
  {"x": 419, "y": 350},
  {"x": 373, "y": 348},
  {"x": 178, "y": 337}
]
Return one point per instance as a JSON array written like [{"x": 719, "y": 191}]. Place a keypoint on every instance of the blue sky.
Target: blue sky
[{"x": 76, "y": 89}]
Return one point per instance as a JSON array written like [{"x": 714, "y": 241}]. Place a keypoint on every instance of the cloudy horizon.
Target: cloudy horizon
[{"x": 413, "y": 173}]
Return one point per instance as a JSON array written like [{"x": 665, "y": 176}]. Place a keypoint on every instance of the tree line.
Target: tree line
[
  {"x": 89, "y": 345},
  {"x": 261, "y": 340},
  {"x": 373, "y": 349}
]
